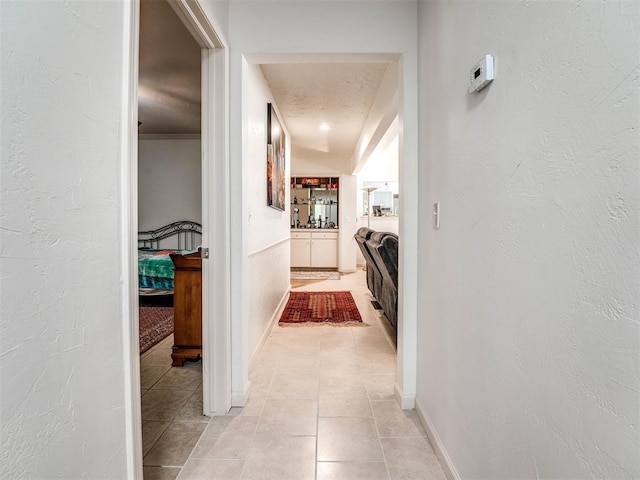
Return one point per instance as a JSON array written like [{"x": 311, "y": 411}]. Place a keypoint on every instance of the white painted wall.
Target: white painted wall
[
  {"x": 268, "y": 228},
  {"x": 382, "y": 121},
  {"x": 62, "y": 374},
  {"x": 217, "y": 12},
  {"x": 266, "y": 255},
  {"x": 266, "y": 225},
  {"x": 347, "y": 246},
  {"x": 382, "y": 165},
  {"x": 169, "y": 182},
  {"x": 331, "y": 27},
  {"x": 529, "y": 340},
  {"x": 302, "y": 167}
]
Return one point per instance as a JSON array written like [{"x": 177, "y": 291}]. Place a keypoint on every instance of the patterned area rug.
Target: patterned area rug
[
  {"x": 156, "y": 324},
  {"x": 333, "y": 308},
  {"x": 303, "y": 275}
]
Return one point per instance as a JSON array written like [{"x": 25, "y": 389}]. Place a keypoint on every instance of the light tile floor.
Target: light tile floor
[
  {"x": 172, "y": 420},
  {"x": 321, "y": 408}
]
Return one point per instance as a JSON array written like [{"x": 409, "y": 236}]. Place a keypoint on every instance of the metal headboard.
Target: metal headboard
[{"x": 188, "y": 235}]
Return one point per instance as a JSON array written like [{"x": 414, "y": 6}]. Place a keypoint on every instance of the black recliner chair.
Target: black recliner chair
[
  {"x": 384, "y": 250},
  {"x": 374, "y": 277},
  {"x": 380, "y": 251}
]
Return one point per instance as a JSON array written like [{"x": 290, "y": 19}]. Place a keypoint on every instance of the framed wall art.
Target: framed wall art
[{"x": 276, "y": 163}]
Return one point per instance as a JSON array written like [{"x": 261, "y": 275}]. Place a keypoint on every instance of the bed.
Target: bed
[
  {"x": 170, "y": 274},
  {"x": 155, "y": 267}
]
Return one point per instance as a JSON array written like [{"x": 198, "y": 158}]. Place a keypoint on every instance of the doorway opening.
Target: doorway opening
[
  {"x": 170, "y": 232},
  {"x": 269, "y": 234},
  {"x": 207, "y": 150},
  {"x": 342, "y": 116}
]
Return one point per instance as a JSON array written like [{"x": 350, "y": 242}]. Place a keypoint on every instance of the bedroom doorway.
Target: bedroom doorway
[
  {"x": 170, "y": 233},
  {"x": 175, "y": 174}
]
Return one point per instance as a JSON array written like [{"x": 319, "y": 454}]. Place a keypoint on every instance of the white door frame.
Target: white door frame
[
  {"x": 216, "y": 276},
  {"x": 216, "y": 335},
  {"x": 129, "y": 226}
]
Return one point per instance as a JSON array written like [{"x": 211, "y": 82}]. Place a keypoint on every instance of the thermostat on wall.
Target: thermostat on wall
[{"x": 481, "y": 74}]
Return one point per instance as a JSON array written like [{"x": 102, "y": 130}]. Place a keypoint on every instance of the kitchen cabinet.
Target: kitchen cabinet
[
  {"x": 300, "y": 249},
  {"x": 314, "y": 249}
]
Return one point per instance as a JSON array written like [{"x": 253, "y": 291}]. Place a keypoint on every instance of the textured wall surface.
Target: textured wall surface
[
  {"x": 529, "y": 344},
  {"x": 61, "y": 348},
  {"x": 169, "y": 182}
]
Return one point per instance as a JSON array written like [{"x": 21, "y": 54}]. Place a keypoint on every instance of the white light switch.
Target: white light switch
[{"x": 436, "y": 215}]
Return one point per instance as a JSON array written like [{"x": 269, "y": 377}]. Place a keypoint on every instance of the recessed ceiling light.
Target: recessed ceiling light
[{"x": 325, "y": 126}]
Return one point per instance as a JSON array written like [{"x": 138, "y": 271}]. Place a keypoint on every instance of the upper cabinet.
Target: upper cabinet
[{"x": 314, "y": 202}]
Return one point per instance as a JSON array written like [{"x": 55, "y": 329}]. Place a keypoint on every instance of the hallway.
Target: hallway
[{"x": 321, "y": 407}]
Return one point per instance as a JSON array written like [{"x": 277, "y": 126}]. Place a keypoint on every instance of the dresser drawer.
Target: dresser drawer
[{"x": 300, "y": 234}]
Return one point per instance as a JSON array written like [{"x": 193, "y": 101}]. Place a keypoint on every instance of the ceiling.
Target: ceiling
[
  {"x": 337, "y": 95},
  {"x": 307, "y": 95},
  {"x": 169, "y": 75}
]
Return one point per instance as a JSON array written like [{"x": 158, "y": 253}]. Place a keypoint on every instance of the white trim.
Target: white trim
[
  {"x": 445, "y": 460},
  {"x": 258, "y": 252},
  {"x": 349, "y": 270},
  {"x": 216, "y": 276},
  {"x": 209, "y": 406},
  {"x": 169, "y": 136},
  {"x": 202, "y": 28},
  {"x": 129, "y": 240},
  {"x": 406, "y": 402},
  {"x": 408, "y": 253},
  {"x": 219, "y": 337}
]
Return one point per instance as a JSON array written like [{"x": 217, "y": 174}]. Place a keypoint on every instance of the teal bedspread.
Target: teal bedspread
[{"x": 155, "y": 268}]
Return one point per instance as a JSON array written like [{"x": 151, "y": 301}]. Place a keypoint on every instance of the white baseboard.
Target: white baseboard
[
  {"x": 445, "y": 460},
  {"x": 239, "y": 399},
  {"x": 272, "y": 321},
  {"x": 406, "y": 402},
  {"x": 348, "y": 270}
]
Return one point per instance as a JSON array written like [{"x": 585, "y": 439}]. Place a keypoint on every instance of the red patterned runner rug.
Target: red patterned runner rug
[
  {"x": 333, "y": 308},
  {"x": 156, "y": 324}
]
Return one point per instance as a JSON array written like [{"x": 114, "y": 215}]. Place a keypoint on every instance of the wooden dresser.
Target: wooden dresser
[{"x": 187, "y": 306}]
